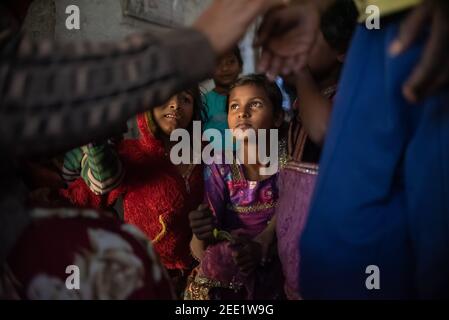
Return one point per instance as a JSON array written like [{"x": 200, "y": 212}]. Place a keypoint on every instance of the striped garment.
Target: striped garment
[
  {"x": 54, "y": 97},
  {"x": 58, "y": 96},
  {"x": 72, "y": 165},
  {"x": 97, "y": 163}
]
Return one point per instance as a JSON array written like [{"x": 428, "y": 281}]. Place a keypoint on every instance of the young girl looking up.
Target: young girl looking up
[{"x": 241, "y": 202}]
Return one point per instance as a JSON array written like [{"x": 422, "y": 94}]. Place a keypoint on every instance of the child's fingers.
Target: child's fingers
[
  {"x": 248, "y": 268},
  {"x": 275, "y": 67},
  {"x": 203, "y": 231},
  {"x": 430, "y": 66},
  {"x": 203, "y": 206},
  {"x": 289, "y": 65},
  {"x": 266, "y": 29},
  {"x": 200, "y": 223},
  {"x": 410, "y": 29},
  {"x": 241, "y": 261},
  {"x": 200, "y": 216},
  {"x": 264, "y": 61},
  {"x": 205, "y": 236}
]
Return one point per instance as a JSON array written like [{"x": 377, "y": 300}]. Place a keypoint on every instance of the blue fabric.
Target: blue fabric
[
  {"x": 218, "y": 117},
  {"x": 216, "y": 111},
  {"x": 382, "y": 196}
]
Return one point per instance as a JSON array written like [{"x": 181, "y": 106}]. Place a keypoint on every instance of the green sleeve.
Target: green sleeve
[
  {"x": 71, "y": 169},
  {"x": 101, "y": 168}
]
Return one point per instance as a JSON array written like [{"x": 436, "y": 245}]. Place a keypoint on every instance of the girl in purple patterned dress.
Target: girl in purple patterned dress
[{"x": 242, "y": 202}]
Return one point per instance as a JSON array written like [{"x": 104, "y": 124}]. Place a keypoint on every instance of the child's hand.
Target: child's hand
[
  {"x": 214, "y": 21},
  {"x": 430, "y": 75},
  {"x": 202, "y": 223},
  {"x": 303, "y": 75},
  {"x": 247, "y": 254},
  {"x": 299, "y": 76},
  {"x": 287, "y": 36}
]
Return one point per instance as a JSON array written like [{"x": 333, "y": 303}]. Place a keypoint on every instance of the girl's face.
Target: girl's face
[
  {"x": 176, "y": 113},
  {"x": 227, "y": 71},
  {"x": 249, "y": 107}
]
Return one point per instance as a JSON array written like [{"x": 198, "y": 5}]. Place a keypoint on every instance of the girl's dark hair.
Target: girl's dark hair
[
  {"x": 338, "y": 24},
  {"x": 261, "y": 81},
  {"x": 199, "y": 107}
]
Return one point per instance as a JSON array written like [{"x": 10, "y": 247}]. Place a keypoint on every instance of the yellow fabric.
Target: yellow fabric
[{"x": 387, "y": 7}]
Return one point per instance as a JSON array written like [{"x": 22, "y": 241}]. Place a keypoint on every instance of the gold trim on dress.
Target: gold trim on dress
[
  {"x": 283, "y": 153},
  {"x": 307, "y": 168},
  {"x": 198, "y": 287},
  {"x": 253, "y": 208},
  {"x": 236, "y": 171}
]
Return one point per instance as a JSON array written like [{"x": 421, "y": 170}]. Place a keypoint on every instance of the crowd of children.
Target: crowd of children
[{"x": 221, "y": 230}]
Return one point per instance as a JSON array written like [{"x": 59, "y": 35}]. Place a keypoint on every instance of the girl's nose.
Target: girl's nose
[
  {"x": 243, "y": 114},
  {"x": 174, "y": 104}
]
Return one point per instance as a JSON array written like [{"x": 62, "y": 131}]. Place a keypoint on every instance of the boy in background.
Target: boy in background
[{"x": 226, "y": 73}]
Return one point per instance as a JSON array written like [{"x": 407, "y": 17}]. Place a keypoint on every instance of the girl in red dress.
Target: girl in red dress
[{"x": 157, "y": 195}]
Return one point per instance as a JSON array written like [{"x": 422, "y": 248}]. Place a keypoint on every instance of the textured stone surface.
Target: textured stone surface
[
  {"x": 104, "y": 20},
  {"x": 100, "y": 21},
  {"x": 40, "y": 21}
]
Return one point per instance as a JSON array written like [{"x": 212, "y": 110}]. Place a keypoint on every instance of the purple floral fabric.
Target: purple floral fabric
[{"x": 244, "y": 208}]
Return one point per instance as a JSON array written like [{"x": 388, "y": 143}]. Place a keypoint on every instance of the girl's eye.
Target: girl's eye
[
  {"x": 231, "y": 61},
  {"x": 234, "y": 106},
  {"x": 256, "y": 104},
  {"x": 186, "y": 99}
]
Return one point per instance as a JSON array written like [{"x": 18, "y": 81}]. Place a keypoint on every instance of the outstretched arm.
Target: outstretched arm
[
  {"x": 57, "y": 96},
  {"x": 315, "y": 109},
  {"x": 431, "y": 74},
  {"x": 54, "y": 96}
]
